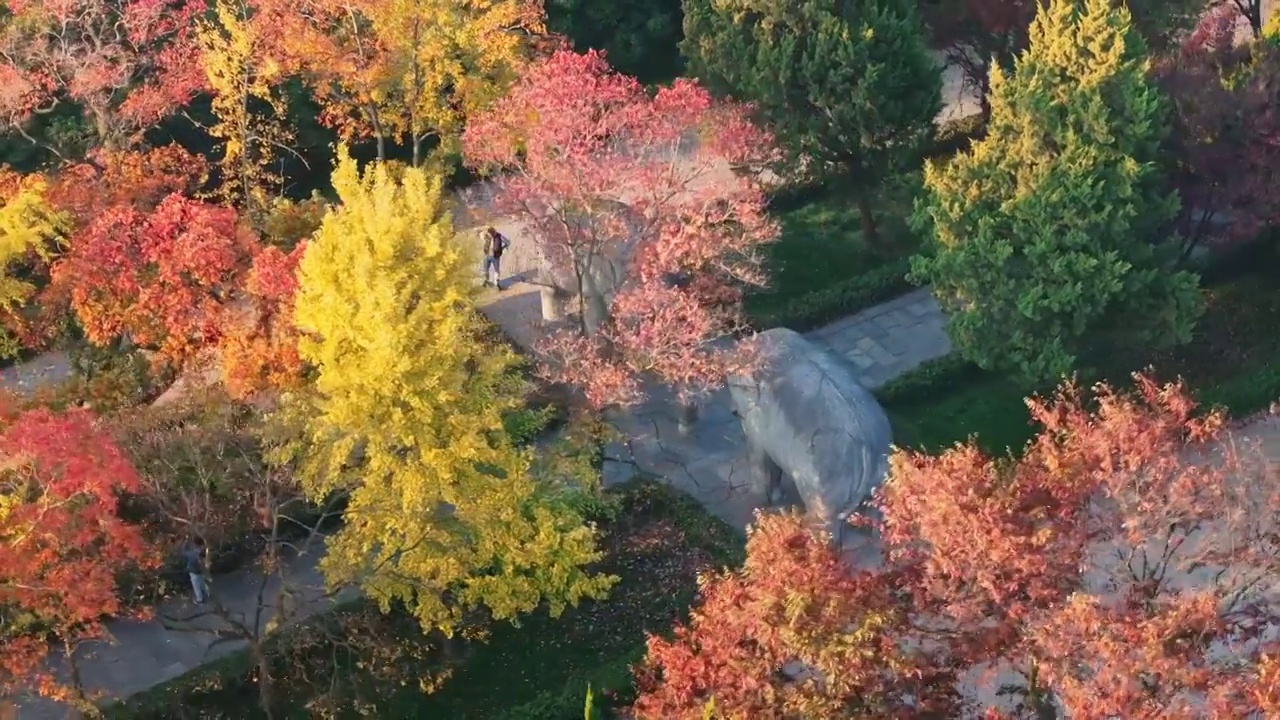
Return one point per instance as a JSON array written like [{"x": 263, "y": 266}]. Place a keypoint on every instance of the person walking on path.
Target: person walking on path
[
  {"x": 495, "y": 243},
  {"x": 194, "y": 559}
]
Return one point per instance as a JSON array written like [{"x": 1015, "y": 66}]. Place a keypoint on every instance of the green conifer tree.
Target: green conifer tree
[
  {"x": 848, "y": 85},
  {"x": 1052, "y": 233}
]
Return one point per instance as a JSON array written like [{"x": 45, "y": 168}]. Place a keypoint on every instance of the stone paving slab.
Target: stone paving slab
[{"x": 890, "y": 339}]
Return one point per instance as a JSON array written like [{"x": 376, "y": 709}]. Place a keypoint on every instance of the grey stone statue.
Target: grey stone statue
[{"x": 813, "y": 430}]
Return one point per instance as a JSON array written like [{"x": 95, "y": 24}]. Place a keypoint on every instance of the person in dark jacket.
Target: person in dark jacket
[
  {"x": 494, "y": 245},
  {"x": 193, "y": 558}
]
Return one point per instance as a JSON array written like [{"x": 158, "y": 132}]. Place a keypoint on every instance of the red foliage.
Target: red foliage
[
  {"x": 1226, "y": 140},
  {"x": 62, "y": 545},
  {"x": 160, "y": 277},
  {"x": 652, "y": 195},
  {"x": 260, "y": 347},
  {"x": 795, "y": 600},
  {"x": 1123, "y": 566},
  {"x": 1113, "y": 559},
  {"x": 127, "y": 63},
  {"x": 137, "y": 179}
]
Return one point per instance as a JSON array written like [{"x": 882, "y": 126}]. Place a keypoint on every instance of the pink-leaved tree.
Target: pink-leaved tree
[
  {"x": 646, "y": 208},
  {"x": 126, "y": 64}
]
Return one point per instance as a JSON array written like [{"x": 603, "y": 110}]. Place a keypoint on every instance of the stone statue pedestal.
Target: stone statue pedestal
[{"x": 552, "y": 303}]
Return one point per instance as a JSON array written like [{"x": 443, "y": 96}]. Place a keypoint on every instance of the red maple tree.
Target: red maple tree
[
  {"x": 1122, "y": 566},
  {"x": 1226, "y": 140},
  {"x": 646, "y": 203},
  {"x": 138, "y": 179},
  {"x": 161, "y": 278},
  {"x": 62, "y": 544},
  {"x": 126, "y": 63},
  {"x": 848, "y": 634},
  {"x": 1119, "y": 566}
]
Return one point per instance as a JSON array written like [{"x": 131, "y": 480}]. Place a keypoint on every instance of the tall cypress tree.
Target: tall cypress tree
[
  {"x": 1052, "y": 232},
  {"x": 848, "y": 85}
]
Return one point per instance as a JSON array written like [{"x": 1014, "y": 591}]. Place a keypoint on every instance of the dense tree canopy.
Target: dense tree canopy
[
  {"x": 796, "y": 602},
  {"x": 1226, "y": 161},
  {"x": 405, "y": 415},
  {"x": 160, "y": 278},
  {"x": 29, "y": 226},
  {"x": 169, "y": 218},
  {"x": 405, "y": 71},
  {"x": 1114, "y": 569},
  {"x": 1053, "y": 233},
  {"x": 849, "y": 87}
]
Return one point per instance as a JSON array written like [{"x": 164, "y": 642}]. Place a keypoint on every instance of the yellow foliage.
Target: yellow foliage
[
  {"x": 447, "y": 59},
  {"x": 1271, "y": 29},
  {"x": 405, "y": 417},
  {"x": 242, "y": 79},
  {"x": 28, "y": 225}
]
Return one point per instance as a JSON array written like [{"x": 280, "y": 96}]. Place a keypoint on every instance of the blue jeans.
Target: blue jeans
[
  {"x": 495, "y": 263},
  {"x": 200, "y": 587}
]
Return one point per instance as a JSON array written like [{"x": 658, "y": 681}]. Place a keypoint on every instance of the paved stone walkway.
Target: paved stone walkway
[
  {"x": 50, "y": 368},
  {"x": 708, "y": 460},
  {"x": 183, "y": 636}
]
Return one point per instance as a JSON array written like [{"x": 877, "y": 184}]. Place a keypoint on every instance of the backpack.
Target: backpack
[{"x": 501, "y": 245}]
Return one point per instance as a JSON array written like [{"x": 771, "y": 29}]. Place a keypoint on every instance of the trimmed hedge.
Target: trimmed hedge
[
  {"x": 928, "y": 379},
  {"x": 843, "y": 298}
]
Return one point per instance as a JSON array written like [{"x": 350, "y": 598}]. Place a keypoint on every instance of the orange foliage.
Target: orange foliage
[
  {"x": 795, "y": 599},
  {"x": 1123, "y": 566},
  {"x": 260, "y": 349},
  {"x": 161, "y": 278},
  {"x": 1115, "y": 559},
  {"x": 139, "y": 179}
]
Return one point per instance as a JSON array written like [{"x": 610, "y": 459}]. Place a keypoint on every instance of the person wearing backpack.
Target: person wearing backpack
[{"x": 494, "y": 245}]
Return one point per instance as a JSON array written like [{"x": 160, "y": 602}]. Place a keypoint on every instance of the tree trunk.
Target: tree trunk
[
  {"x": 265, "y": 690},
  {"x": 869, "y": 231},
  {"x": 595, "y": 308}
]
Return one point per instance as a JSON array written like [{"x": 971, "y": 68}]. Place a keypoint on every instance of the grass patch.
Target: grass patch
[
  {"x": 1233, "y": 361},
  {"x": 656, "y": 540},
  {"x": 822, "y": 268}
]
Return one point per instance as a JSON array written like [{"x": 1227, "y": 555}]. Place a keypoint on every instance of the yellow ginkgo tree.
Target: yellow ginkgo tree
[
  {"x": 30, "y": 228},
  {"x": 448, "y": 59},
  {"x": 244, "y": 81},
  {"x": 404, "y": 417}
]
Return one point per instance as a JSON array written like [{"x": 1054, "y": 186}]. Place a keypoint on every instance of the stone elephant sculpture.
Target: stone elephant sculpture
[{"x": 812, "y": 429}]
